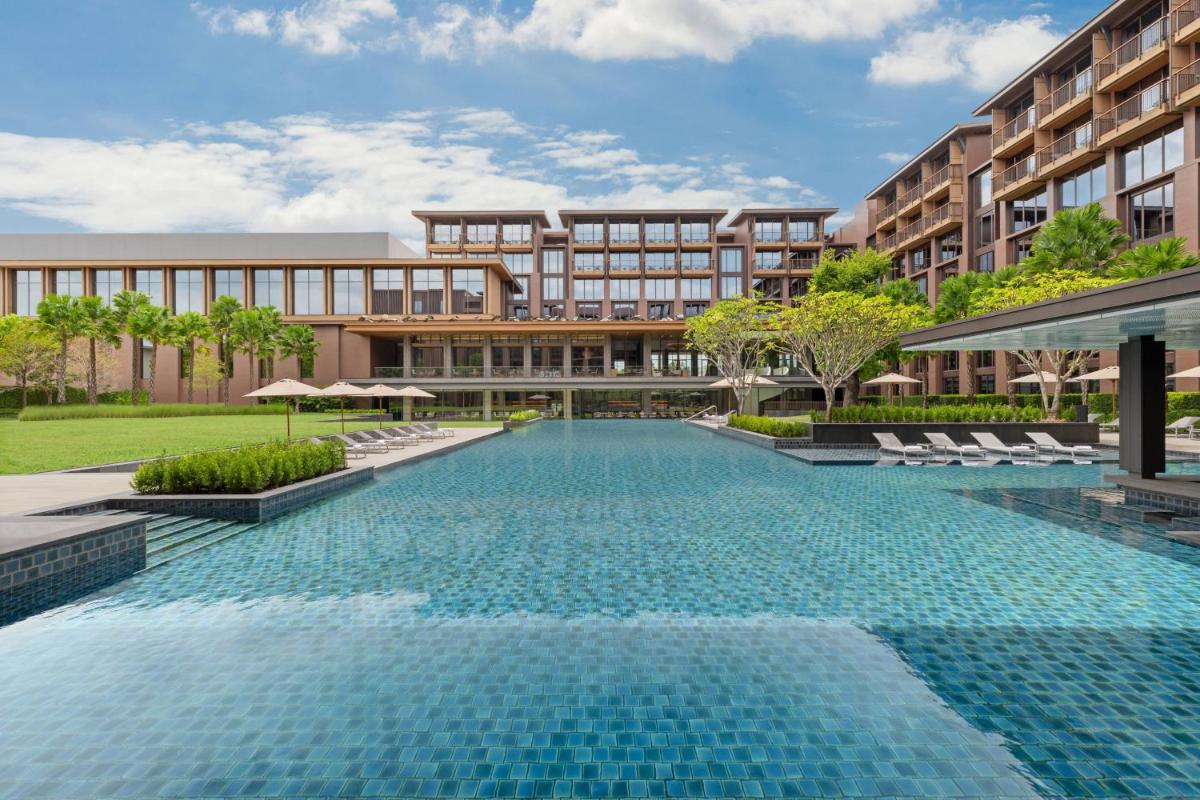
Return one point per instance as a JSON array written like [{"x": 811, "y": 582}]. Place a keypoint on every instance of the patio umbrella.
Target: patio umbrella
[
  {"x": 1105, "y": 374},
  {"x": 889, "y": 380},
  {"x": 381, "y": 391},
  {"x": 1194, "y": 372},
  {"x": 1033, "y": 377},
  {"x": 341, "y": 390},
  {"x": 539, "y": 397},
  {"x": 286, "y": 388},
  {"x": 755, "y": 380}
]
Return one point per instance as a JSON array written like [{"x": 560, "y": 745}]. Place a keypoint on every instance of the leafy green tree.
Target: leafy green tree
[
  {"x": 220, "y": 322},
  {"x": 1079, "y": 240},
  {"x": 299, "y": 342},
  {"x": 27, "y": 353},
  {"x": 1147, "y": 260},
  {"x": 736, "y": 335},
  {"x": 100, "y": 327},
  {"x": 151, "y": 324},
  {"x": 955, "y": 300},
  {"x": 255, "y": 332},
  {"x": 860, "y": 271},
  {"x": 186, "y": 331},
  {"x": 61, "y": 317},
  {"x": 126, "y": 304}
]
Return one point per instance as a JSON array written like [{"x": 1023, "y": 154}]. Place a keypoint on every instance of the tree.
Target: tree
[
  {"x": 100, "y": 326},
  {"x": 905, "y": 292},
  {"x": 736, "y": 335},
  {"x": 299, "y": 342},
  {"x": 955, "y": 298},
  {"x": 61, "y": 317},
  {"x": 185, "y": 331},
  {"x": 860, "y": 271},
  {"x": 151, "y": 324},
  {"x": 126, "y": 304},
  {"x": 255, "y": 332},
  {"x": 1079, "y": 240},
  {"x": 27, "y": 353},
  {"x": 220, "y": 322},
  {"x": 832, "y": 334},
  {"x": 1148, "y": 260}
]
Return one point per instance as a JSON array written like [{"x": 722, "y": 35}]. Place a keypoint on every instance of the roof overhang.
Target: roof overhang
[
  {"x": 1166, "y": 307},
  {"x": 654, "y": 213},
  {"x": 747, "y": 213},
  {"x": 962, "y": 129},
  {"x": 484, "y": 215},
  {"x": 393, "y": 328}
]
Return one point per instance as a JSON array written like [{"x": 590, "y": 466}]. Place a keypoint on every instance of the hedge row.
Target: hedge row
[
  {"x": 43, "y": 413},
  {"x": 246, "y": 470},
  {"x": 524, "y": 416},
  {"x": 10, "y": 397},
  {"x": 769, "y": 426},
  {"x": 948, "y": 413}
]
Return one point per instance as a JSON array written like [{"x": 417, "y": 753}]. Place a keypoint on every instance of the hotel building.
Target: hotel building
[{"x": 504, "y": 309}]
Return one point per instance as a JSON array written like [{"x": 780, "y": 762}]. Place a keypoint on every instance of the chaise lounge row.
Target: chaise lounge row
[
  {"x": 989, "y": 446},
  {"x": 360, "y": 443}
]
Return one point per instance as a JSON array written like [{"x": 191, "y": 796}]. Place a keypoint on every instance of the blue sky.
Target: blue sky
[{"x": 162, "y": 115}]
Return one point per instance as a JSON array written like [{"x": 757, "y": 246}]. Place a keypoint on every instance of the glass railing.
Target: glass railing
[
  {"x": 1019, "y": 171},
  {"x": 587, "y": 372},
  {"x": 428, "y": 372},
  {"x": 627, "y": 372},
  {"x": 466, "y": 372},
  {"x": 389, "y": 372},
  {"x": 1076, "y": 140},
  {"x": 547, "y": 372},
  {"x": 1155, "y": 98},
  {"x": 508, "y": 372},
  {"x": 1062, "y": 96},
  {"x": 1150, "y": 37},
  {"x": 1015, "y": 127}
]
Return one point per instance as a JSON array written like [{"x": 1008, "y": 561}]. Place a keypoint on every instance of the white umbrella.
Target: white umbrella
[
  {"x": 1105, "y": 374},
  {"x": 755, "y": 380},
  {"x": 379, "y": 390},
  {"x": 890, "y": 379},
  {"x": 284, "y": 388},
  {"x": 341, "y": 390},
  {"x": 412, "y": 391},
  {"x": 1034, "y": 377},
  {"x": 1194, "y": 372}
]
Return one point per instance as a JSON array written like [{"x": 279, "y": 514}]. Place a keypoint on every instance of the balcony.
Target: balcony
[
  {"x": 428, "y": 372},
  {"x": 466, "y": 372},
  {"x": 943, "y": 220},
  {"x": 1067, "y": 102},
  {"x": 908, "y": 200},
  {"x": 624, "y": 243},
  {"x": 389, "y": 372},
  {"x": 1185, "y": 22},
  {"x": 911, "y": 234},
  {"x": 508, "y": 372},
  {"x": 1066, "y": 153},
  {"x": 1136, "y": 117},
  {"x": 1015, "y": 136},
  {"x": 888, "y": 213},
  {"x": 587, "y": 372},
  {"x": 938, "y": 185},
  {"x": 1185, "y": 84},
  {"x": 888, "y": 243},
  {"x": 1141, "y": 56},
  {"x": 1016, "y": 180},
  {"x": 696, "y": 240}
]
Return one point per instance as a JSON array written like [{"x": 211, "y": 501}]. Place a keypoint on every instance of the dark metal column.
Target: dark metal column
[{"x": 1143, "y": 406}]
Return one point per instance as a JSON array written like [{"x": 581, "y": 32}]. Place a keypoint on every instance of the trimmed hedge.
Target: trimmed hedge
[
  {"x": 769, "y": 426},
  {"x": 524, "y": 416},
  {"x": 10, "y": 397},
  {"x": 44, "y": 413},
  {"x": 885, "y": 414},
  {"x": 246, "y": 470}
]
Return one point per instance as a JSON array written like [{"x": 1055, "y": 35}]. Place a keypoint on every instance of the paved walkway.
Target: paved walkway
[
  {"x": 20, "y": 494},
  {"x": 1178, "y": 444}
]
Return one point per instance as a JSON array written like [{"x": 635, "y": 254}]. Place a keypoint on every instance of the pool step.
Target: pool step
[
  {"x": 172, "y": 536},
  {"x": 1140, "y": 513},
  {"x": 1185, "y": 524}
]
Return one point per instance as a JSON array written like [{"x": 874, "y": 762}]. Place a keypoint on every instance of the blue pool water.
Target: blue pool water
[{"x": 631, "y": 609}]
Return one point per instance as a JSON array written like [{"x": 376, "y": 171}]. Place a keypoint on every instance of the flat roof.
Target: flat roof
[
  {"x": 643, "y": 212},
  {"x": 962, "y": 127},
  {"x": 199, "y": 246},
  {"x": 1164, "y": 306},
  {"x": 447, "y": 214},
  {"x": 772, "y": 212}
]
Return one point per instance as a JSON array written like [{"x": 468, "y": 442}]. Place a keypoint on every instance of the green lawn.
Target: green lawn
[{"x": 61, "y": 444}]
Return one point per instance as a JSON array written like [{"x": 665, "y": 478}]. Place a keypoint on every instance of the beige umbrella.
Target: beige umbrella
[
  {"x": 1033, "y": 377},
  {"x": 1194, "y": 372},
  {"x": 889, "y": 380},
  {"x": 381, "y": 391},
  {"x": 285, "y": 388},
  {"x": 411, "y": 392},
  {"x": 1104, "y": 374},
  {"x": 755, "y": 380},
  {"x": 341, "y": 390}
]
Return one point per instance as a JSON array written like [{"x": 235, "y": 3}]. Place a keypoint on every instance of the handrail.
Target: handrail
[
  {"x": 944, "y": 175},
  {"x": 700, "y": 413},
  {"x": 913, "y": 195},
  {"x": 1135, "y": 107},
  {"x": 1014, "y": 127},
  {"x": 1147, "y": 39},
  {"x": 1066, "y": 93},
  {"x": 1185, "y": 14},
  {"x": 1018, "y": 171},
  {"x": 1187, "y": 78},
  {"x": 941, "y": 214},
  {"x": 1079, "y": 139}
]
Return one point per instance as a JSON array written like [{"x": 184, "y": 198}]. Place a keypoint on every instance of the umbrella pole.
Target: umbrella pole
[
  {"x": 287, "y": 405},
  {"x": 342, "y": 412},
  {"x": 380, "y": 413}
]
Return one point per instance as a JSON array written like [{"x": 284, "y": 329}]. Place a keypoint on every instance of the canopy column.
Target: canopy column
[{"x": 1143, "y": 406}]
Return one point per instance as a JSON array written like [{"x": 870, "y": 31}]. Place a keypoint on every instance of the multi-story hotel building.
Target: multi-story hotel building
[
  {"x": 1108, "y": 116},
  {"x": 503, "y": 308}
]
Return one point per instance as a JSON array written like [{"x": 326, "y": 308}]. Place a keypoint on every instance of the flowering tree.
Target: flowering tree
[{"x": 736, "y": 334}]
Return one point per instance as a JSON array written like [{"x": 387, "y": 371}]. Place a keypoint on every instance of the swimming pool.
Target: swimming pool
[{"x": 630, "y": 609}]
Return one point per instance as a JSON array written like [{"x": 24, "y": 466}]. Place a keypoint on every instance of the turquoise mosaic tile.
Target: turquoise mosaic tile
[{"x": 632, "y": 609}]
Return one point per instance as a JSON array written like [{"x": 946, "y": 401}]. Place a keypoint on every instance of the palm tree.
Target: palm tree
[
  {"x": 954, "y": 302},
  {"x": 300, "y": 342},
  {"x": 151, "y": 324},
  {"x": 60, "y": 316},
  {"x": 186, "y": 329},
  {"x": 126, "y": 304},
  {"x": 100, "y": 325},
  {"x": 271, "y": 325},
  {"x": 1080, "y": 239},
  {"x": 905, "y": 292},
  {"x": 220, "y": 323},
  {"x": 1147, "y": 260},
  {"x": 255, "y": 331}
]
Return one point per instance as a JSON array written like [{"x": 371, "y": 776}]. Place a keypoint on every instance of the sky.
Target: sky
[{"x": 346, "y": 115}]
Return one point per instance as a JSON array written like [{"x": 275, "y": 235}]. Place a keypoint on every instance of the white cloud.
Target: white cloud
[
  {"x": 983, "y": 54},
  {"x": 255, "y": 22},
  {"x": 314, "y": 173},
  {"x": 896, "y": 158},
  {"x": 323, "y": 27}
]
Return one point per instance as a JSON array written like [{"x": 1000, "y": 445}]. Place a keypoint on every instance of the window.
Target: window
[
  {"x": 660, "y": 289},
  {"x": 768, "y": 259},
  {"x": 308, "y": 291},
  {"x": 985, "y": 262},
  {"x": 623, "y": 232},
  {"x": 481, "y": 233},
  {"x": 427, "y": 288},
  {"x": 731, "y": 259},
  {"x": 228, "y": 283},
  {"x": 1022, "y": 249},
  {"x": 387, "y": 291},
  {"x": 150, "y": 283},
  {"x": 28, "y": 292},
  {"x": 694, "y": 309},
  {"x": 696, "y": 288},
  {"x": 797, "y": 287},
  {"x": 68, "y": 282},
  {"x": 1152, "y": 213},
  {"x": 1029, "y": 211},
  {"x": 480, "y": 255},
  {"x": 520, "y": 311},
  {"x": 985, "y": 230},
  {"x": 987, "y": 358},
  {"x": 950, "y": 247},
  {"x": 624, "y": 310},
  {"x": 589, "y": 262},
  {"x": 189, "y": 290},
  {"x": 919, "y": 259},
  {"x": 768, "y": 288},
  {"x": 981, "y": 190},
  {"x": 922, "y": 282},
  {"x": 803, "y": 230},
  {"x": 1153, "y": 156},
  {"x": 623, "y": 262},
  {"x": 348, "y": 291},
  {"x": 950, "y": 384},
  {"x": 951, "y": 361},
  {"x": 268, "y": 287},
  {"x": 661, "y": 310},
  {"x": 552, "y": 262},
  {"x": 589, "y": 290},
  {"x": 658, "y": 232},
  {"x": 518, "y": 233},
  {"x": 520, "y": 289},
  {"x": 552, "y": 288},
  {"x": 444, "y": 233},
  {"x": 731, "y": 286},
  {"x": 624, "y": 289},
  {"x": 696, "y": 260},
  {"x": 987, "y": 384},
  {"x": 552, "y": 310},
  {"x": 1083, "y": 187},
  {"x": 768, "y": 231},
  {"x": 694, "y": 232},
  {"x": 467, "y": 286},
  {"x": 518, "y": 263},
  {"x": 589, "y": 232},
  {"x": 660, "y": 262},
  {"x": 587, "y": 310},
  {"x": 108, "y": 283}
]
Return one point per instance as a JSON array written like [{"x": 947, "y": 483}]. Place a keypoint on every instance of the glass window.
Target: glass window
[
  {"x": 68, "y": 282},
  {"x": 981, "y": 189},
  {"x": 660, "y": 289},
  {"x": 467, "y": 285},
  {"x": 481, "y": 233},
  {"x": 768, "y": 288},
  {"x": 624, "y": 310},
  {"x": 444, "y": 233},
  {"x": 768, "y": 231},
  {"x": 985, "y": 262},
  {"x": 803, "y": 230},
  {"x": 1022, "y": 249},
  {"x": 660, "y": 262},
  {"x": 308, "y": 291},
  {"x": 387, "y": 291},
  {"x": 28, "y": 292},
  {"x": 695, "y": 260},
  {"x": 797, "y": 287},
  {"x": 589, "y": 290},
  {"x": 623, "y": 262},
  {"x": 1152, "y": 213},
  {"x": 696, "y": 288},
  {"x": 587, "y": 310},
  {"x": 518, "y": 233},
  {"x": 518, "y": 263},
  {"x": 552, "y": 262},
  {"x": 694, "y": 232},
  {"x": 189, "y": 290},
  {"x": 552, "y": 311},
  {"x": 552, "y": 288},
  {"x": 768, "y": 259},
  {"x": 1153, "y": 156},
  {"x": 658, "y": 232},
  {"x": 108, "y": 283},
  {"x": 660, "y": 310},
  {"x": 268, "y": 288},
  {"x": 950, "y": 247},
  {"x": 731, "y": 259},
  {"x": 228, "y": 283},
  {"x": 919, "y": 259},
  {"x": 150, "y": 283},
  {"x": 1084, "y": 187},
  {"x": 520, "y": 289},
  {"x": 625, "y": 289},
  {"x": 589, "y": 262},
  {"x": 589, "y": 232},
  {"x": 348, "y": 291},
  {"x": 693, "y": 309},
  {"x": 731, "y": 286},
  {"x": 985, "y": 230},
  {"x": 427, "y": 287},
  {"x": 623, "y": 232},
  {"x": 1029, "y": 211}
]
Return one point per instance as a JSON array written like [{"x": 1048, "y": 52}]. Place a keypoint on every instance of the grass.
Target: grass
[{"x": 62, "y": 444}]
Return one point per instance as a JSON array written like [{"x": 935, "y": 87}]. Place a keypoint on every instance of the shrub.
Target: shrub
[
  {"x": 44, "y": 413},
  {"x": 524, "y": 416},
  {"x": 324, "y": 404},
  {"x": 887, "y": 414},
  {"x": 769, "y": 426},
  {"x": 246, "y": 470}
]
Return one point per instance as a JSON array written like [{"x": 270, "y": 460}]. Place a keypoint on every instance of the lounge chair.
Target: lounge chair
[
  {"x": 387, "y": 438},
  {"x": 890, "y": 444},
  {"x": 412, "y": 430},
  {"x": 411, "y": 438},
  {"x": 1094, "y": 418},
  {"x": 362, "y": 448},
  {"x": 1080, "y": 454},
  {"x": 1018, "y": 453},
  {"x": 349, "y": 452},
  {"x": 432, "y": 428},
  {"x": 1182, "y": 426},
  {"x": 948, "y": 447},
  {"x": 1111, "y": 427}
]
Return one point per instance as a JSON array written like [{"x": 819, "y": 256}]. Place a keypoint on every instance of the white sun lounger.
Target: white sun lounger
[
  {"x": 1081, "y": 454},
  {"x": 943, "y": 444},
  {"x": 1018, "y": 454},
  {"x": 1113, "y": 426},
  {"x": 432, "y": 429},
  {"x": 1182, "y": 426},
  {"x": 890, "y": 444},
  {"x": 356, "y": 446}
]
